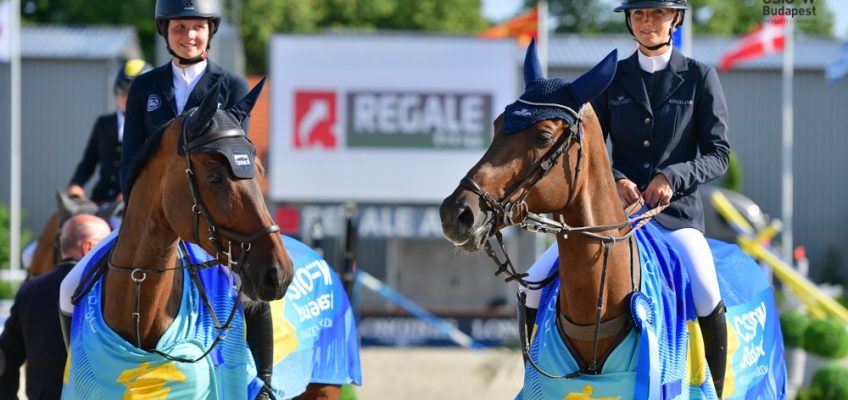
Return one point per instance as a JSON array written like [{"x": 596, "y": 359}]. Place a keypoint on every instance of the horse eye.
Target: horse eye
[{"x": 215, "y": 177}]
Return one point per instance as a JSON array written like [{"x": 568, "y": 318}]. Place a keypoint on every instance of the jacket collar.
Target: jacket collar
[
  {"x": 667, "y": 85},
  {"x": 165, "y": 80}
]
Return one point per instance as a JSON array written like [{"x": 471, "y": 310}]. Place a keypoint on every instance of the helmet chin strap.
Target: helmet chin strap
[
  {"x": 656, "y": 46},
  {"x": 188, "y": 61}
]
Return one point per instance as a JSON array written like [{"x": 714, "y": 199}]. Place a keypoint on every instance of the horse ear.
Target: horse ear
[
  {"x": 532, "y": 68},
  {"x": 205, "y": 111},
  {"x": 592, "y": 83},
  {"x": 64, "y": 206},
  {"x": 242, "y": 109}
]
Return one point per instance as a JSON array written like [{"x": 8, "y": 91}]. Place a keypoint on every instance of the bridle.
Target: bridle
[
  {"x": 505, "y": 212},
  {"x": 198, "y": 208},
  {"x": 138, "y": 275}
]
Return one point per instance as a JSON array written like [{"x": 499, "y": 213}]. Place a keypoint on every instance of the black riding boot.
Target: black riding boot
[
  {"x": 65, "y": 324},
  {"x": 714, "y": 329},
  {"x": 530, "y": 321},
  {"x": 260, "y": 339}
]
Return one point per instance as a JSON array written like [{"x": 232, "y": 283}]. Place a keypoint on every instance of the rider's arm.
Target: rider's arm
[{"x": 89, "y": 160}]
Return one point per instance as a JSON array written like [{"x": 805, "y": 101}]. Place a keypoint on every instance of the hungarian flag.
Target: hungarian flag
[
  {"x": 766, "y": 38},
  {"x": 524, "y": 27}
]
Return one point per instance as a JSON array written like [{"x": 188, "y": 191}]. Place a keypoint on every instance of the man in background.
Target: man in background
[{"x": 32, "y": 333}]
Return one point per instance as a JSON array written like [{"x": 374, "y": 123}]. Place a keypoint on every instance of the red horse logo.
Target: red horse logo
[{"x": 315, "y": 120}]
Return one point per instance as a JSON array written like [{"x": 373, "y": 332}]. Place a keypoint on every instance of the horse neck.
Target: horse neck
[
  {"x": 595, "y": 203},
  {"x": 146, "y": 241}
]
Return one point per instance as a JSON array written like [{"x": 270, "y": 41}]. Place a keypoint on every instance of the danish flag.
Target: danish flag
[{"x": 766, "y": 38}]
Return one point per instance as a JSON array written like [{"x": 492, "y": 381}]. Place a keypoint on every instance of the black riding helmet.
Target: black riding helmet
[
  {"x": 627, "y": 5},
  {"x": 167, "y": 10},
  {"x": 128, "y": 71}
]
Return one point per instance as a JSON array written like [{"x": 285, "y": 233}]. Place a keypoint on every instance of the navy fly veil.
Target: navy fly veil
[{"x": 554, "y": 98}]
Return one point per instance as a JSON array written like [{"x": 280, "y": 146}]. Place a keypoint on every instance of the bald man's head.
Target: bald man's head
[{"x": 80, "y": 234}]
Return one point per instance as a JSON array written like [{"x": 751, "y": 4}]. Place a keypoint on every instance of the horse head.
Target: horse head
[
  {"x": 221, "y": 207},
  {"x": 544, "y": 131}
]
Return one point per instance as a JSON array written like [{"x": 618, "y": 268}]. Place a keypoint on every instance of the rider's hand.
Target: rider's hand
[
  {"x": 628, "y": 193},
  {"x": 658, "y": 192},
  {"x": 75, "y": 192}
]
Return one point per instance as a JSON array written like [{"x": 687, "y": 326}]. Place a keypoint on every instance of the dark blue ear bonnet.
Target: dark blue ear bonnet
[
  {"x": 545, "y": 99},
  {"x": 210, "y": 130}
]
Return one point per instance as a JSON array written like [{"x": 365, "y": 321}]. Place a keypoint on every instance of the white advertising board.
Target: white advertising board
[{"x": 382, "y": 119}]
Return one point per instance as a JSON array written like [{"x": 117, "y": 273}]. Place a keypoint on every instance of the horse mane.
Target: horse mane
[{"x": 147, "y": 151}]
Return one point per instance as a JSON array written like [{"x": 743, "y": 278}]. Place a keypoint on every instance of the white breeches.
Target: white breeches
[{"x": 696, "y": 255}]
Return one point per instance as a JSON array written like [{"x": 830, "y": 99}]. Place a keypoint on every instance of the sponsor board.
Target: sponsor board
[{"x": 399, "y": 121}]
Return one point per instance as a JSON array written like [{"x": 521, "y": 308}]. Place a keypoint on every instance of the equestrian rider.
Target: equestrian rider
[
  {"x": 666, "y": 117},
  {"x": 104, "y": 144}
]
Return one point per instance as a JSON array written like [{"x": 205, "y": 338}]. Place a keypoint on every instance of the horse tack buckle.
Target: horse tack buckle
[{"x": 140, "y": 278}]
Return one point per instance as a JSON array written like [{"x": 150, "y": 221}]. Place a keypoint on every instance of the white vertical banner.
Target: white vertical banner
[{"x": 5, "y": 30}]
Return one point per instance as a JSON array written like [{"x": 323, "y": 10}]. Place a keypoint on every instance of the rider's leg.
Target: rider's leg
[
  {"x": 260, "y": 337},
  {"x": 537, "y": 272},
  {"x": 708, "y": 305}
]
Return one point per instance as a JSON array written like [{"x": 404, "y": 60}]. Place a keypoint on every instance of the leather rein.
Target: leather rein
[
  {"x": 505, "y": 212},
  {"x": 138, "y": 274}
]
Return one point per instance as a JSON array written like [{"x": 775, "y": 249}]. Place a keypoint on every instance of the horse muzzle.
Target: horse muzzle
[{"x": 464, "y": 222}]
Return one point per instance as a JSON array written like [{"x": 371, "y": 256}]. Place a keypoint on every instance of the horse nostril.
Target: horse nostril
[
  {"x": 272, "y": 279},
  {"x": 465, "y": 219}
]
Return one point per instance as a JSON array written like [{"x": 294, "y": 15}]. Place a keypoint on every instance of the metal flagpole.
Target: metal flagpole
[
  {"x": 788, "y": 120},
  {"x": 15, "y": 146},
  {"x": 542, "y": 34}
]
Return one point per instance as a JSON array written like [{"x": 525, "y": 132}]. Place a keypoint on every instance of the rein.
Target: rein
[{"x": 505, "y": 212}]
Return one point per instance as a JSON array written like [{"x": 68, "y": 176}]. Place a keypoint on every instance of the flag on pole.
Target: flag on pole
[
  {"x": 5, "y": 30},
  {"x": 524, "y": 27},
  {"x": 838, "y": 67},
  {"x": 767, "y": 38}
]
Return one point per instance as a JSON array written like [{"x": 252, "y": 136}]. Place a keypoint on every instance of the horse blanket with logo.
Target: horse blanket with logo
[
  {"x": 323, "y": 348},
  {"x": 665, "y": 359}
]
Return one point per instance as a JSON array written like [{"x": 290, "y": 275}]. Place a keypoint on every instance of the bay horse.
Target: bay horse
[
  {"x": 616, "y": 314},
  {"x": 146, "y": 293},
  {"x": 46, "y": 255}
]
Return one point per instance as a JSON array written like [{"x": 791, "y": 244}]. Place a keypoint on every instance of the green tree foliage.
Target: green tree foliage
[
  {"x": 826, "y": 337},
  {"x": 829, "y": 383},
  {"x": 138, "y": 13},
  {"x": 4, "y": 235},
  {"x": 716, "y": 17}
]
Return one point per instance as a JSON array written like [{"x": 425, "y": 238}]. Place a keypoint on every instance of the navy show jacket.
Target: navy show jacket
[{"x": 683, "y": 136}]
